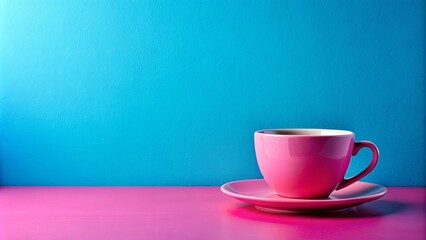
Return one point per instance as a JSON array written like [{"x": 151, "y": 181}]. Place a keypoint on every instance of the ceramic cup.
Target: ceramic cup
[{"x": 308, "y": 163}]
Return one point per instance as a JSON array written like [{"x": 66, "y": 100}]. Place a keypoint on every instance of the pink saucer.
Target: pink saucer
[{"x": 258, "y": 193}]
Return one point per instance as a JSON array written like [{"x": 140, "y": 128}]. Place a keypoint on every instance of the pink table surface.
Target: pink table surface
[{"x": 194, "y": 213}]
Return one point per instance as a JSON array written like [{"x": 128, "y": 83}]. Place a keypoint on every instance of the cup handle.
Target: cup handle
[{"x": 357, "y": 147}]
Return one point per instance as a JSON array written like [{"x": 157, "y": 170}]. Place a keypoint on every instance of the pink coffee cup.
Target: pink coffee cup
[{"x": 308, "y": 163}]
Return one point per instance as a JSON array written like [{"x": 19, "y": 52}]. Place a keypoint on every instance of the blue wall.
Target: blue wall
[{"x": 170, "y": 92}]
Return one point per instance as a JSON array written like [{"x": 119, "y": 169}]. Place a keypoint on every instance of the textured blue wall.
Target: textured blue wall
[{"x": 170, "y": 92}]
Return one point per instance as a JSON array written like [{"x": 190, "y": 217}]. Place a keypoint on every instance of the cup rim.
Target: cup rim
[{"x": 305, "y": 132}]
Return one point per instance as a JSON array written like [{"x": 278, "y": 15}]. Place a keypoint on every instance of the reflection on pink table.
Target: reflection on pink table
[{"x": 194, "y": 213}]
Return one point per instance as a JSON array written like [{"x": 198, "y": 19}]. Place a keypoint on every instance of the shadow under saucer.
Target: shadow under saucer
[{"x": 377, "y": 208}]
